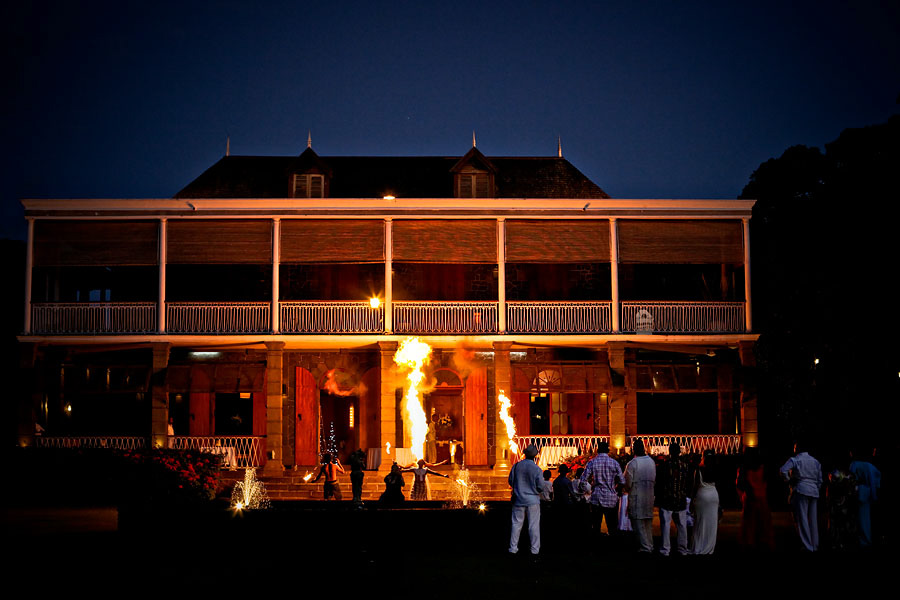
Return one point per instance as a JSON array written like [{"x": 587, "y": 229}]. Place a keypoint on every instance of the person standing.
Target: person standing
[
  {"x": 705, "y": 506},
  {"x": 604, "y": 474},
  {"x": 357, "y": 464},
  {"x": 330, "y": 468},
  {"x": 756, "y": 518},
  {"x": 868, "y": 482},
  {"x": 527, "y": 481},
  {"x": 420, "y": 485},
  {"x": 804, "y": 473},
  {"x": 640, "y": 478},
  {"x": 672, "y": 481}
]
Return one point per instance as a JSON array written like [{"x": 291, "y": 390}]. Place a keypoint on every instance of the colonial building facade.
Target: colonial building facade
[{"x": 259, "y": 311}]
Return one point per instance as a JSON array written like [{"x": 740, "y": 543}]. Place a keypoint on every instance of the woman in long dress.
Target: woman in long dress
[
  {"x": 420, "y": 486},
  {"x": 705, "y": 506}
]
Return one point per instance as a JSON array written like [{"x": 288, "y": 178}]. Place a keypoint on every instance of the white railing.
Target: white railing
[
  {"x": 445, "y": 317},
  {"x": 93, "y": 317},
  {"x": 331, "y": 317},
  {"x": 117, "y": 442},
  {"x": 683, "y": 317},
  {"x": 558, "y": 317},
  {"x": 565, "y": 446},
  {"x": 240, "y": 451},
  {"x": 218, "y": 317}
]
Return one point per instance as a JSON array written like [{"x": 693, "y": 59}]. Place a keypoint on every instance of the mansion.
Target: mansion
[{"x": 261, "y": 307}]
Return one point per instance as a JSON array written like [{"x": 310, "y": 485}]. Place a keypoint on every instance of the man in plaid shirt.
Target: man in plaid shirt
[{"x": 604, "y": 474}]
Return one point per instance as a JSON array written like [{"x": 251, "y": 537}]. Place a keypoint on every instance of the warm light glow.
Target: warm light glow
[
  {"x": 239, "y": 506},
  {"x": 68, "y": 408},
  {"x": 414, "y": 354},
  {"x": 389, "y": 198},
  {"x": 482, "y": 507},
  {"x": 387, "y": 447},
  {"x": 619, "y": 442},
  {"x": 816, "y": 361},
  {"x": 307, "y": 477},
  {"x": 249, "y": 493},
  {"x": 505, "y": 405},
  {"x": 351, "y": 416},
  {"x": 374, "y": 301}
]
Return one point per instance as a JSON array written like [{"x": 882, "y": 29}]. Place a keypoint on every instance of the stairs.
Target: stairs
[{"x": 490, "y": 485}]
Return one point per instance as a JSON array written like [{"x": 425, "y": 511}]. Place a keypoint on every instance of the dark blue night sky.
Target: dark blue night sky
[{"x": 651, "y": 99}]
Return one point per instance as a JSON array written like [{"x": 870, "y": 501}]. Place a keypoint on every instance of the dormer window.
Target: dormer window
[
  {"x": 473, "y": 185},
  {"x": 308, "y": 185}
]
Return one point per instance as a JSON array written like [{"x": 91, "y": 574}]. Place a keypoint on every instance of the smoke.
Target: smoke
[{"x": 335, "y": 388}]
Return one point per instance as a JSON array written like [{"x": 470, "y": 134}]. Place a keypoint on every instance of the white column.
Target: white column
[
  {"x": 501, "y": 275},
  {"x": 163, "y": 257},
  {"x": 614, "y": 271},
  {"x": 276, "y": 270},
  {"x": 748, "y": 319},
  {"x": 29, "y": 265},
  {"x": 388, "y": 278}
]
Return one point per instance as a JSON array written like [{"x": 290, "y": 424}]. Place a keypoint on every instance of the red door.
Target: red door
[{"x": 306, "y": 439}]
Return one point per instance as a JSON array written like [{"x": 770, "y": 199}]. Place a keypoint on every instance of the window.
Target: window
[
  {"x": 309, "y": 186},
  {"x": 473, "y": 185}
]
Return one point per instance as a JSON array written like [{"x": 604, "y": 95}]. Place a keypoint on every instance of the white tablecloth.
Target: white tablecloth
[
  {"x": 552, "y": 455},
  {"x": 403, "y": 456}
]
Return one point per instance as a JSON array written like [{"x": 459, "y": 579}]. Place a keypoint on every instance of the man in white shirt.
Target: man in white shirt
[{"x": 804, "y": 473}]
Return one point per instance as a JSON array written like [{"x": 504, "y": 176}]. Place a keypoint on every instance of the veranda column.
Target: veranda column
[
  {"x": 748, "y": 312},
  {"x": 30, "y": 384},
  {"x": 388, "y": 404},
  {"x": 388, "y": 278},
  {"x": 749, "y": 418},
  {"x": 29, "y": 263},
  {"x": 274, "y": 408},
  {"x": 614, "y": 272},
  {"x": 501, "y": 275},
  {"x": 163, "y": 257},
  {"x": 618, "y": 397},
  {"x": 502, "y": 382},
  {"x": 159, "y": 396},
  {"x": 276, "y": 269}
]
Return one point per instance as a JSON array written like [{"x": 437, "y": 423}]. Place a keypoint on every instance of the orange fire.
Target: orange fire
[
  {"x": 333, "y": 387},
  {"x": 505, "y": 405},
  {"x": 414, "y": 354}
]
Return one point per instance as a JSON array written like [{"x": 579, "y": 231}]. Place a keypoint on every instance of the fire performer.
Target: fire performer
[
  {"x": 527, "y": 481},
  {"x": 330, "y": 468},
  {"x": 420, "y": 485}
]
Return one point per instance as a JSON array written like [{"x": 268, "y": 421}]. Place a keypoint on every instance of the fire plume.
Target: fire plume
[
  {"x": 505, "y": 405},
  {"x": 414, "y": 354}
]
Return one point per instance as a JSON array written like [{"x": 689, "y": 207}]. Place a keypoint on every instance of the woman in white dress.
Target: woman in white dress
[{"x": 705, "y": 507}]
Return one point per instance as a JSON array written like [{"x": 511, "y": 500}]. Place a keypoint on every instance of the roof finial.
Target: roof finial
[
  {"x": 309, "y": 139},
  {"x": 473, "y": 138},
  {"x": 559, "y": 146},
  {"x": 227, "y": 145}
]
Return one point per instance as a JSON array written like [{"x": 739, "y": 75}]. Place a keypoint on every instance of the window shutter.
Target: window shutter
[
  {"x": 465, "y": 186},
  {"x": 558, "y": 241},
  {"x": 680, "y": 241},
  {"x": 95, "y": 243},
  {"x": 445, "y": 241},
  {"x": 226, "y": 241},
  {"x": 332, "y": 241}
]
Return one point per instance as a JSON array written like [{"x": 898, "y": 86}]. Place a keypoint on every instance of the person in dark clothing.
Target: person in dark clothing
[
  {"x": 393, "y": 486},
  {"x": 357, "y": 464},
  {"x": 673, "y": 477}
]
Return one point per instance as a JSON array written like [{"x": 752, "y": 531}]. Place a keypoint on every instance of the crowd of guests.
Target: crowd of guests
[{"x": 623, "y": 490}]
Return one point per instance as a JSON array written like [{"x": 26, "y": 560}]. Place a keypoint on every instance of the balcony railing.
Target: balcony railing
[
  {"x": 218, "y": 317},
  {"x": 558, "y": 317},
  {"x": 116, "y": 442},
  {"x": 445, "y": 317},
  {"x": 556, "y": 448},
  {"x": 93, "y": 317},
  {"x": 331, "y": 317},
  {"x": 682, "y": 317},
  {"x": 237, "y": 451}
]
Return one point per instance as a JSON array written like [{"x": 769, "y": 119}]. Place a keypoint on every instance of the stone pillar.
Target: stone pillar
[
  {"x": 159, "y": 396},
  {"x": 388, "y": 403},
  {"x": 749, "y": 418},
  {"x": 502, "y": 382},
  {"x": 30, "y": 393},
  {"x": 617, "y": 397},
  {"x": 274, "y": 406}
]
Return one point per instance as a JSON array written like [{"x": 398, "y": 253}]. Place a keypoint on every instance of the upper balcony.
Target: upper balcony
[{"x": 437, "y": 318}]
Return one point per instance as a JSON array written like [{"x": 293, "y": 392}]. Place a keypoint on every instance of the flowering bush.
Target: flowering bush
[{"x": 176, "y": 476}]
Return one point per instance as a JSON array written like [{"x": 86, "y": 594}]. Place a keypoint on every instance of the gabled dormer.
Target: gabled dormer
[
  {"x": 473, "y": 176},
  {"x": 309, "y": 176}
]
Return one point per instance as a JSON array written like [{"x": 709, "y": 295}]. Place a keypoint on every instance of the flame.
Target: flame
[
  {"x": 505, "y": 405},
  {"x": 332, "y": 387},
  {"x": 414, "y": 354},
  {"x": 307, "y": 477},
  {"x": 387, "y": 447}
]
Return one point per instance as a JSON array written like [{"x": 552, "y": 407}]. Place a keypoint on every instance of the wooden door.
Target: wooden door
[{"x": 306, "y": 438}]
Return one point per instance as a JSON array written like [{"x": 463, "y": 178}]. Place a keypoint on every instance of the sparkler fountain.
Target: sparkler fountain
[{"x": 250, "y": 493}]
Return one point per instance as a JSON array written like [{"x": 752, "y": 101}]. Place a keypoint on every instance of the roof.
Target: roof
[{"x": 379, "y": 176}]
